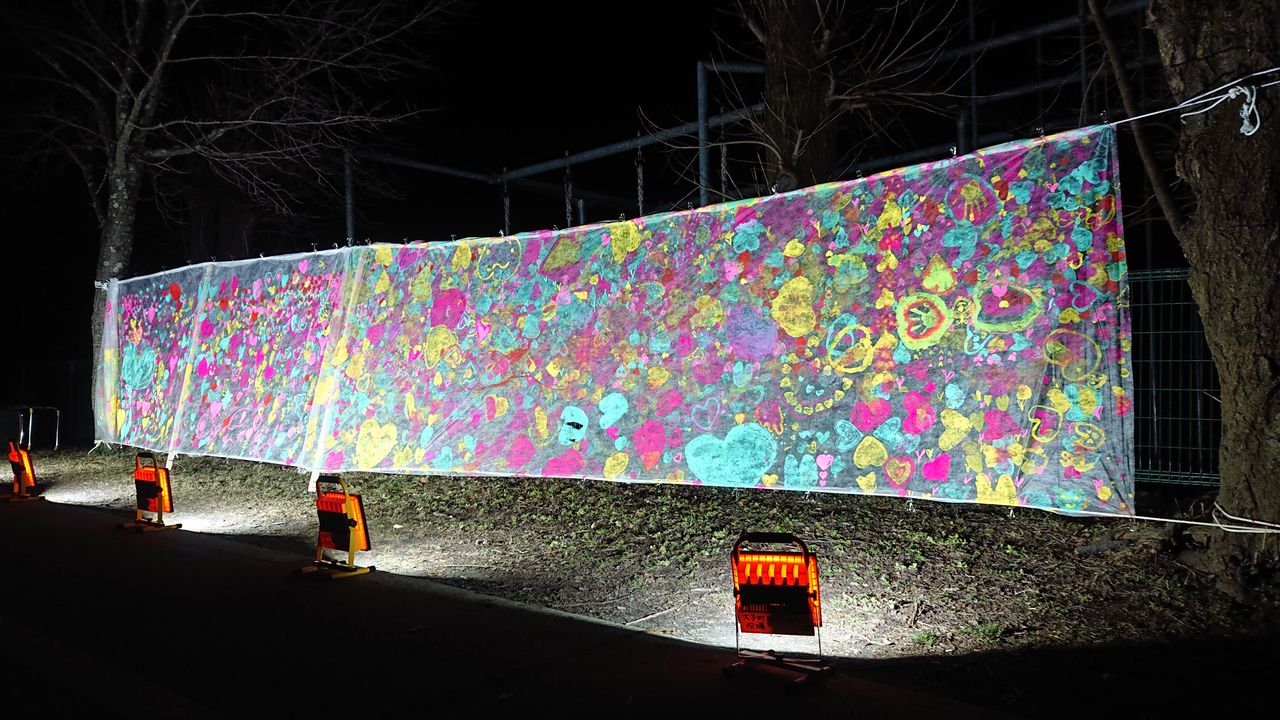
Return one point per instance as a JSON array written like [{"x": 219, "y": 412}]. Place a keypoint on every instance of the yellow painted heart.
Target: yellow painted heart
[
  {"x": 886, "y": 299},
  {"x": 938, "y": 277},
  {"x": 899, "y": 470},
  {"x": 1004, "y": 493},
  {"x": 497, "y": 405},
  {"x": 870, "y": 453},
  {"x": 439, "y": 339},
  {"x": 658, "y": 376},
  {"x": 957, "y": 426},
  {"x": 374, "y": 443},
  {"x": 867, "y": 482},
  {"x": 616, "y": 465},
  {"x": 770, "y": 480},
  {"x": 1024, "y": 394},
  {"x": 1002, "y": 402}
]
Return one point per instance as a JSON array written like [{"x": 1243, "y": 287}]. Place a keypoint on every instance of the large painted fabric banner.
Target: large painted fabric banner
[{"x": 955, "y": 331}]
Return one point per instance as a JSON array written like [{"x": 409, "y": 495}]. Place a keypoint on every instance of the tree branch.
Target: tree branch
[{"x": 1156, "y": 177}]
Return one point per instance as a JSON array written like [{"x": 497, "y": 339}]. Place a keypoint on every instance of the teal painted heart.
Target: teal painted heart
[
  {"x": 704, "y": 415},
  {"x": 955, "y": 395},
  {"x": 802, "y": 473},
  {"x": 740, "y": 459},
  {"x": 138, "y": 367},
  {"x": 1082, "y": 237},
  {"x": 890, "y": 433},
  {"x": 1056, "y": 253},
  {"x": 847, "y": 436},
  {"x": 1021, "y": 191},
  {"x": 612, "y": 407}
]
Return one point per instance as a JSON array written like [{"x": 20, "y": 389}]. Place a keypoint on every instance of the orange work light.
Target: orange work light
[
  {"x": 342, "y": 528},
  {"x": 776, "y": 592},
  {"x": 155, "y": 494},
  {"x": 24, "y": 474}
]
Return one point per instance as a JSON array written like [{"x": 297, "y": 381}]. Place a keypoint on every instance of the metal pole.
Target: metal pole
[
  {"x": 961, "y": 132},
  {"x": 1039, "y": 77},
  {"x": 704, "y": 157},
  {"x": 582, "y": 211},
  {"x": 349, "y": 192},
  {"x": 973, "y": 80},
  {"x": 626, "y": 145}
]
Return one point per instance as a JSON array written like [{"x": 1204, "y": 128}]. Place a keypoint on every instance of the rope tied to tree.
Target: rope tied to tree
[{"x": 1249, "y": 118}]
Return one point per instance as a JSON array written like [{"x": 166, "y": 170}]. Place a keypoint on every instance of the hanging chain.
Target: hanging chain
[
  {"x": 724, "y": 168},
  {"x": 640, "y": 181},
  {"x": 568, "y": 195},
  {"x": 506, "y": 207}
]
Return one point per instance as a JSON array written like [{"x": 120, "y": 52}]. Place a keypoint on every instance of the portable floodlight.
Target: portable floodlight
[
  {"x": 342, "y": 527},
  {"x": 776, "y": 592},
  {"x": 24, "y": 474},
  {"x": 155, "y": 495}
]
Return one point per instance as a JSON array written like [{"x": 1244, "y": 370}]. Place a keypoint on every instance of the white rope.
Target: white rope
[
  {"x": 1218, "y": 509},
  {"x": 1213, "y": 98},
  {"x": 1215, "y": 524}
]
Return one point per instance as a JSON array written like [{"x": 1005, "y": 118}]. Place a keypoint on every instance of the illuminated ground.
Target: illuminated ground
[{"x": 965, "y": 588}]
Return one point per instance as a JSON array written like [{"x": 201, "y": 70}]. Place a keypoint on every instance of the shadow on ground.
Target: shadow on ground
[{"x": 1206, "y": 678}]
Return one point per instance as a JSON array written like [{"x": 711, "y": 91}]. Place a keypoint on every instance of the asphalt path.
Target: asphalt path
[{"x": 101, "y": 622}]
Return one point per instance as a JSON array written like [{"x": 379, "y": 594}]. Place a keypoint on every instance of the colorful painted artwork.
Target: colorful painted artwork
[{"x": 953, "y": 331}]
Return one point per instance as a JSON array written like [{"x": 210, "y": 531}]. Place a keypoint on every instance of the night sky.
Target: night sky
[{"x": 511, "y": 85}]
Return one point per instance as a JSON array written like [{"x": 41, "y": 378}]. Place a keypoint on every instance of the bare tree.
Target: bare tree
[
  {"x": 260, "y": 95},
  {"x": 833, "y": 67}
]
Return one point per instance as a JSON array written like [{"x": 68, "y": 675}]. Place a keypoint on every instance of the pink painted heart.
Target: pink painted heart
[
  {"x": 937, "y": 469},
  {"x": 482, "y": 329},
  {"x": 867, "y": 416},
  {"x": 824, "y": 462}
]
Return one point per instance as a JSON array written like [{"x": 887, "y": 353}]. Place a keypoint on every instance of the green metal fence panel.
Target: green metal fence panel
[{"x": 1178, "y": 416}]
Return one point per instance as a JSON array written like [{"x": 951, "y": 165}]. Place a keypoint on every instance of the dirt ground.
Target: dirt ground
[{"x": 958, "y": 596}]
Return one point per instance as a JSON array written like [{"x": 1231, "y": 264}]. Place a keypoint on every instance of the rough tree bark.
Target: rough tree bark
[
  {"x": 1232, "y": 243},
  {"x": 797, "y": 122}
]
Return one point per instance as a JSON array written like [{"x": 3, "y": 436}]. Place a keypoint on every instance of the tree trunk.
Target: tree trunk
[
  {"x": 116, "y": 242},
  {"x": 797, "y": 115},
  {"x": 1232, "y": 242}
]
